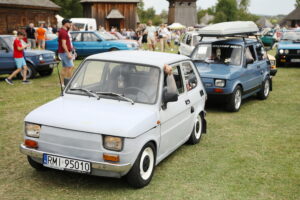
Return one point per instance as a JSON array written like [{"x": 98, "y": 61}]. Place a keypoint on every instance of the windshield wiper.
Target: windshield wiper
[
  {"x": 117, "y": 95},
  {"x": 90, "y": 93}
]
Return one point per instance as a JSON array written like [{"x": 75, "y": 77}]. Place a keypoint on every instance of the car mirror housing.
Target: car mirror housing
[
  {"x": 5, "y": 49},
  {"x": 249, "y": 61},
  {"x": 99, "y": 40},
  {"x": 168, "y": 97}
]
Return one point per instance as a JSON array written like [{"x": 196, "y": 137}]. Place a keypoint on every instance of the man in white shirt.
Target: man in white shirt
[{"x": 150, "y": 31}]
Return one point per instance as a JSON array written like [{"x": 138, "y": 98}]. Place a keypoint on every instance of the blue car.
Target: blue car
[
  {"x": 288, "y": 51},
  {"x": 38, "y": 61},
  {"x": 233, "y": 69},
  {"x": 88, "y": 43}
]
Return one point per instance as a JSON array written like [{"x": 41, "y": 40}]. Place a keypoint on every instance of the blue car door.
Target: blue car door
[
  {"x": 262, "y": 62},
  {"x": 92, "y": 44},
  {"x": 7, "y": 63},
  {"x": 251, "y": 78}
]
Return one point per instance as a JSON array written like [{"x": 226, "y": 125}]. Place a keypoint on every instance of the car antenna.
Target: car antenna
[{"x": 61, "y": 86}]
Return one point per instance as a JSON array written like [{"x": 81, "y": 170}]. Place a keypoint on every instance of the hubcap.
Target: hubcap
[
  {"x": 29, "y": 72},
  {"x": 198, "y": 127},
  {"x": 237, "y": 99},
  {"x": 146, "y": 163},
  {"x": 267, "y": 88}
]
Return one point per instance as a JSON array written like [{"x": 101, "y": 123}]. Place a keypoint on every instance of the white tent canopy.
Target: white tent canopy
[{"x": 176, "y": 26}]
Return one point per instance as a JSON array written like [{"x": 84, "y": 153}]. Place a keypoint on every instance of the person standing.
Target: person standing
[
  {"x": 150, "y": 31},
  {"x": 31, "y": 36},
  {"x": 19, "y": 59},
  {"x": 65, "y": 49},
  {"x": 162, "y": 35},
  {"x": 41, "y": 36}
]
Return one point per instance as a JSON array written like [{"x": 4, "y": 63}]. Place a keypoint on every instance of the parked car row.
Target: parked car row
[{"x": 124, "y": 112}]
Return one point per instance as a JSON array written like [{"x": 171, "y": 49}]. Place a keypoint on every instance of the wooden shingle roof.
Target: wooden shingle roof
[
  {"x": 44, "y": 4},
  {"x": 294, "y": 15}
]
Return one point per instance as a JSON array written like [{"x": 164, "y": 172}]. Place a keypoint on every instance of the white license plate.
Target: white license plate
[
  {"x": 62, "y": 163},
  {"x": 295, "y": 60}
]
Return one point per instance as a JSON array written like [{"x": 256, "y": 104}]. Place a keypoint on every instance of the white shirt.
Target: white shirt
[{"x": 150, "y": 30}]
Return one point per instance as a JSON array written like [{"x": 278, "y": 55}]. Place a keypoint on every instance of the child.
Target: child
[{"x": 19, "y": 59}]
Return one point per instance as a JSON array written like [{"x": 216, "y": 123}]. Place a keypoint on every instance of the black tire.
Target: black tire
[
  {"x": 235, "y": 100},
  {"x": 46, "y": 72},
  {"x": 37, "y": 166},
  {"x": 265, "y": 89},
  {"x": 31, "y": 73},
  {"x": 197, "y": 131},
  {"x": 142, "y": 171}
]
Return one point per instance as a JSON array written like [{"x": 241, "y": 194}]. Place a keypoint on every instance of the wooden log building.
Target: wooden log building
[
  {"x": 17, "y": 14},
  {"x": 183, "y": 11},
  {"x": 117, "y": 13},
  {"x": 292, "y": 19}
]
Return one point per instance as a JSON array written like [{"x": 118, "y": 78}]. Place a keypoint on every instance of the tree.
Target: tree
[
  {"x": 297, "y": 4},
  {"x": 226, "y": 10},
  {"x": 69, "y": 8}
]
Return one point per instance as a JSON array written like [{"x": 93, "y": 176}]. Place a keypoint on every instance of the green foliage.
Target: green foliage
[
  {"x": 69, "y": 8},
  {"x": 297, "y": 4},
  {"x": 149, "y": 14},
  {"x": 226, "y": 10}
]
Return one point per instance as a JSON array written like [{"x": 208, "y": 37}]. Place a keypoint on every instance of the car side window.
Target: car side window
[
  {"x": 178, "y": 78},
  {"x": 189, "y": 40},
  {"x": 90, "y": 37},
  {"x": 76, "y": 37},
  {"x": 184, "y": 38},
  {"x": 189, "y": 76},
  {"x": 250, "y": 53},
  {"x": 3, "y": 46},
  {"x": 260, "y": 52}
]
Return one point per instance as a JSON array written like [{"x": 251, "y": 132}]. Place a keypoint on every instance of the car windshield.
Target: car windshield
[
  {"x": 107, "y": 36},
  {"x": 218, "y": 54},
  {"x": 78, "y": 26},
  {"x": 121, "y": 81},
  {"x": 196, "y": 39},
  {"x": 293, "y": 36},
  {"x": 9, "y": 41}
]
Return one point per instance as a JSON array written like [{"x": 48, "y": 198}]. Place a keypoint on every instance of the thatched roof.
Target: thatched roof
[
  {"x": 110, "y": 1},
  {"x": 45, "y": 4},
  {"x": 264, "y": 22},
  {"x": 294, "y": 15}
]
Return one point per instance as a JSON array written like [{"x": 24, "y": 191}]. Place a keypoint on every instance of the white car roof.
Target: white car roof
[
  {"x": 229, "y": 29},
  {"x": 140, "y": 57}
]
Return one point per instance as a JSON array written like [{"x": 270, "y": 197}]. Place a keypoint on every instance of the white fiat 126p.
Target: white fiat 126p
[{"x": 118, "y": 116}]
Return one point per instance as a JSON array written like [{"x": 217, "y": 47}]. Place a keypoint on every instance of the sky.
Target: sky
[{"x": 260, "y": 7}]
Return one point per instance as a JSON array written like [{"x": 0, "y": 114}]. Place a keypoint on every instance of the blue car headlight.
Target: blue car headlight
[
  {"x": 281, "y": 51},
  {"x": 220, "y": 83},
  {"x": 130, "y": 45}
]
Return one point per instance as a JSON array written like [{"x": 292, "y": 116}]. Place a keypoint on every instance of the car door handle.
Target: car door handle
[
  {"x": 201, "y": 93},
  {"x": 258, "y": 67},
  {"x": 187, "y": 102},
  {"x": 192, "y": 109}
]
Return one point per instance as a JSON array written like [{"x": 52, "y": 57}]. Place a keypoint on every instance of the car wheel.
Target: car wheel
[
  {"x": 113, "y": 49},
  {"x": 36, "y": 165},
  {"x": 31, "y": 73},
  {"x": 141, "y": 172},
  {"x": 235, "y": 100},
  {"x": 197, "y": 131},
  {"x": 265, "y": 90},
  {"x": 46, "y": 72}
]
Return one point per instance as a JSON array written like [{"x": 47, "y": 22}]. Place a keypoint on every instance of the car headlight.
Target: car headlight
[
  {"x": 286, "y": 51},
  {"x": 130, "y": 45},
  {"x": 32, "y": 130},
  {"x": 41, "y": 58},
  {"x": 112, "y": 143},
  {"x": 281, "y": 51},
  {"x": 54, "y": 57},
  {"x": 220, "y": 83}
]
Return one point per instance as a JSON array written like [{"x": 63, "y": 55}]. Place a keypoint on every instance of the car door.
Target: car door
[
  {"x": 250, "y": 78},
  {"x": 195, "y": 92},
  {"x": 175, "y": 118},
  {"x": 262, "y": 62},
  {"x": 7, "y": 63},
  {"x": 91, "y": 44}
]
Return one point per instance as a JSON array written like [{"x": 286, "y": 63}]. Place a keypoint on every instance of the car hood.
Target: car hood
[
  {"x": 289, "y": 45},
  {"x": 37, "y": 52},
  {"x": 220, "y": 71},
  {"x": 104, "y": 116}
]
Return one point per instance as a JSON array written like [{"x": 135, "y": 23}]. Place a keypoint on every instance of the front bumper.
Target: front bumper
[
  {"x": 117, "y": 169},
  {"x": 47, "y": 65}
]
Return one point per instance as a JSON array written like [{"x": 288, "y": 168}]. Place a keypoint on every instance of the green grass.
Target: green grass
[{"x": 252, "y": 154}]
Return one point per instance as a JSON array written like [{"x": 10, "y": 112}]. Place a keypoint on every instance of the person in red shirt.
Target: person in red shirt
[
  {"x": 65, "y": 49},
  {"x": 19, "y": 59}
]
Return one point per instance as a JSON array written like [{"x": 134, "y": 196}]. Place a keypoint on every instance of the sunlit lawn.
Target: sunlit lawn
[{"x": 252, "y": 154}]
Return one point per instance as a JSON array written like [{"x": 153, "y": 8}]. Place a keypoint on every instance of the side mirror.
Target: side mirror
[
  {"x": 66, "y": 81},
  {"x": 249, "y": 61},
  {"x": 193, "y": 79},
  {"x": 5, "y": 49},
  {"x": 99, "y": 40},
  {"x": 168, "y": 97}
]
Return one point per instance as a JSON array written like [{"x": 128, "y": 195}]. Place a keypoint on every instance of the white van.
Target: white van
[{"x": 85, "y": 24}]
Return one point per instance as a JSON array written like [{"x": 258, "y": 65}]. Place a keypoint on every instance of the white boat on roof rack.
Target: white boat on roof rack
[{"x": 236, "y": 28}]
